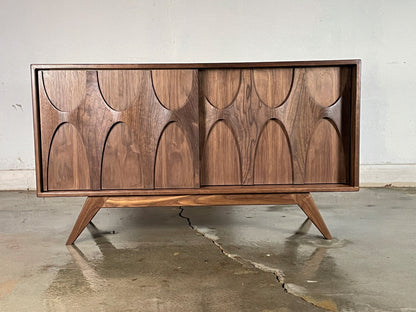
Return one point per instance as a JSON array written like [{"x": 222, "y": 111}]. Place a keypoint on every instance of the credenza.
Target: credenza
[{"x": 134, "y": 135}]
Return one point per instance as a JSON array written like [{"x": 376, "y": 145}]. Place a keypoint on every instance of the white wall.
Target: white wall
[{"x": 381, "y": 33}]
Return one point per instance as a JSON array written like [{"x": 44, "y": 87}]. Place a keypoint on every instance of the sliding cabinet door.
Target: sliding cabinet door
[{"x": 118, "y": 129}]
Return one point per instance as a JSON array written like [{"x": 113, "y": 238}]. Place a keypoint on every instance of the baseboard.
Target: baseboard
[
  {"x": 370, "y": 176},
  {"x": 400, "y": 175},
  {"x": 17, "y": 180}
]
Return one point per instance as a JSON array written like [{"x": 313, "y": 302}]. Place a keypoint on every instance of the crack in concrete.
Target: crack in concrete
[
  {"x": 278, "y": 274},
  {"x": 232, "y": 256}
]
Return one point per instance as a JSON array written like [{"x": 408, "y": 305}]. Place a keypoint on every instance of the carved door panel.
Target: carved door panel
[
  {"x": 275, "y": 125},
  {"x": 118, "y": 129}
]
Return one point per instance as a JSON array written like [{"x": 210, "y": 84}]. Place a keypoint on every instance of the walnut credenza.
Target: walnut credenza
[{"x": 196, "y": 134}]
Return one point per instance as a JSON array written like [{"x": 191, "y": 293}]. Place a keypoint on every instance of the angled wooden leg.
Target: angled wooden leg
[
  {"x": 88, "y": 211},
  {"x": 306, "y": 203}
]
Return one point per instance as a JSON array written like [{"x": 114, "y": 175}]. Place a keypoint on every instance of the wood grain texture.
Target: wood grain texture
[
  {"x": 211, "y": 190},
  {"x": 245, "y": 116},
  {"x": 92, "y": 119},
  {"x": 174, "y": 160},
  {"x": 307, "y": 204},
  {"x": 325, "y": 158},
  {"x": 324, "y": 84},
  {"x": 273, "y": 164},
  {"x": 221, "y": 168},
  {"x": 260, "y": 133},
  {"x": 104, "y": 99},
  {"x": 200, "y": 200},
  {"x": 298, "y": 99},
  {"x": 273, "y": 85},
  {"x": 173, "y": 87},
  {"x": 319, "y": 90},
  {"x": 50, "y": 118},
  {"x": 91, "y": 206},
  {"x": 65, "y": 88},
  {"x": 220, "y": 87},
  {"x": 301, "y": 114},
  {"x": 68, "y": 163},
  {"x": 147, "y": 119},
  {"x": 120, "y": 88},
  {"x": 122, "y": 167}
]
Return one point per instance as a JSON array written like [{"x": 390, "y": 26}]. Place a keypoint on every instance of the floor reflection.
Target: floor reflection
[
  {"x": 300, "y": 257},
  {"x": 94, "y": 280},
  {"x": 313, "y": 263},
  {"x": 311, "y": 272},
  {"x": 190, "y": 275}
]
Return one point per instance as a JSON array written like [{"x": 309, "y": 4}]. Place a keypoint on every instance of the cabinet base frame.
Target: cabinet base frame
[{"x": 94, "y": 203}]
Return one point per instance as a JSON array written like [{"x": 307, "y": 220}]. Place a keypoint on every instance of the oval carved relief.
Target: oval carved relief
[
  {"x": 220, "y": 87},
  {"x": 121, "y": 88},
  {"x": 324, "y": 84},
  {"x": 273, "y": 85},
  {"x": 121, "y": 168},
  {"x": 68, "y": 164},
  {"x": 325, "y": 162},
  {"x": 65, "y": 88},
  {"x": 273, "y": 162},
  {"x": 174, "y": 162},
  {"x": 173, "y": 87},
  {"x": 221, "y": 160}
]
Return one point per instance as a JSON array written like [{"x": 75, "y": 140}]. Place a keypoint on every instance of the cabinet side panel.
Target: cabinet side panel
[
  {"x": 355, "y": 124},
  {"x": 36, "y": 129},
  {"x": 346, "y": 134}
]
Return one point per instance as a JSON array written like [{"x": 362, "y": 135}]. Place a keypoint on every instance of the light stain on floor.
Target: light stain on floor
[{"x": 7, "y": 287}]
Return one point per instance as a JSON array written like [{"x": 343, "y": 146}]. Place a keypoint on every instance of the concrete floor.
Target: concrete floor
[{"x": 245, "y": 258}]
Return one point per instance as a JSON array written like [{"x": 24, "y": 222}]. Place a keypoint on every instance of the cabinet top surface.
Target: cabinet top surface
[{"x": 199, "y": 65}]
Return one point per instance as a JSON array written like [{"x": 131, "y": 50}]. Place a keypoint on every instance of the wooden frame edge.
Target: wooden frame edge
[
  {"x": 199, "y": 200},
  {"x": 206, "y": 191},
  {"x": 355, "y": 126},
  {"x": 36, "y": 129},
  {"x": 199, "y": 65}
]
